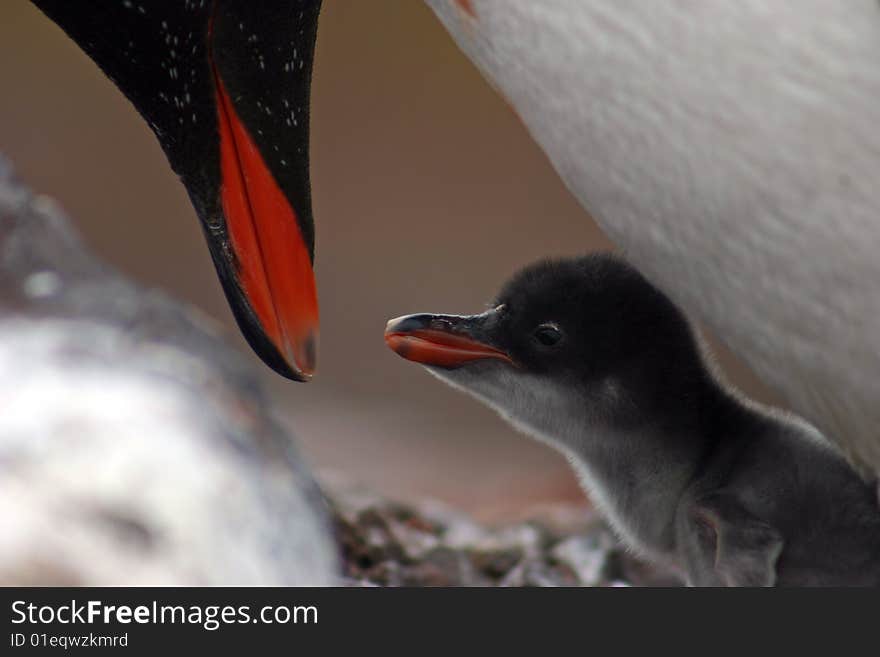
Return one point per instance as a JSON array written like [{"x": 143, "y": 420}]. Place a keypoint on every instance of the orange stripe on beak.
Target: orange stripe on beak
[
  {"x": 433, "y": 347},
  {"x": 274, "y": 267}
]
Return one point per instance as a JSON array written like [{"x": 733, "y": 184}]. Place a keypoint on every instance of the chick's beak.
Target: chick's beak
[{"x": 447, "y": 341}]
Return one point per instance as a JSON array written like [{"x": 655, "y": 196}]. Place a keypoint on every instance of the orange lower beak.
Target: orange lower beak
[
  {"x": 441, "y": 341},
  {"x": 274, "y": 266}
]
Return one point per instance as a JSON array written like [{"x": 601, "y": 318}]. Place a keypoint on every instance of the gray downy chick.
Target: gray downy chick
[{"x": 588, "y": 356}]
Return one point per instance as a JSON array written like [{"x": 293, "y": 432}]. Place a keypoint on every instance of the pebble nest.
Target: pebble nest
[{"x": 387, "y": 543}]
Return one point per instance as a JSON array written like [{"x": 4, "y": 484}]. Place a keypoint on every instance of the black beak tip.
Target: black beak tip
[
  {"x": 270, "y": 355},
  {"x": 258, "y": 340}
]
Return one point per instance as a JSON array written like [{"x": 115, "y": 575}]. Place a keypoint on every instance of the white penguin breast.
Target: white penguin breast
[{"x": 732, "y": 150}]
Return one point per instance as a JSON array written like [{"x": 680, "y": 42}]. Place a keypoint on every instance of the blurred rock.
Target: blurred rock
[
  {"x": 385, "y": 543},
  {"x": 586, "y": 556},
  {"x": 136, "y": 447}
]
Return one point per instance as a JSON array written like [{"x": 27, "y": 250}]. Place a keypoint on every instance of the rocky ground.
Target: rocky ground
[
  {"x": 136, "y": 445},
  {"x": 385, "y": 543}
]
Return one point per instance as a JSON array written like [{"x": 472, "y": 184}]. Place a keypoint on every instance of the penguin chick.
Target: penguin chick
[{"x": 588, "y": 356}]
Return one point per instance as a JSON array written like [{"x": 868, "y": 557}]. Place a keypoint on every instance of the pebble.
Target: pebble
[{"x": 425, "y": 543}]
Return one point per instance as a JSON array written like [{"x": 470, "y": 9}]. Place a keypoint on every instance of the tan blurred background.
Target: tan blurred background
[{"x": 428, "y": 193}]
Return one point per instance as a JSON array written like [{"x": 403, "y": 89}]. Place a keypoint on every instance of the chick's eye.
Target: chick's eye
[{"x": 548, "y": 335}]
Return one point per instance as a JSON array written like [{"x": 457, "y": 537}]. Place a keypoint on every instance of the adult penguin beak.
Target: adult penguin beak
[{"x": 225, "y": 86}]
